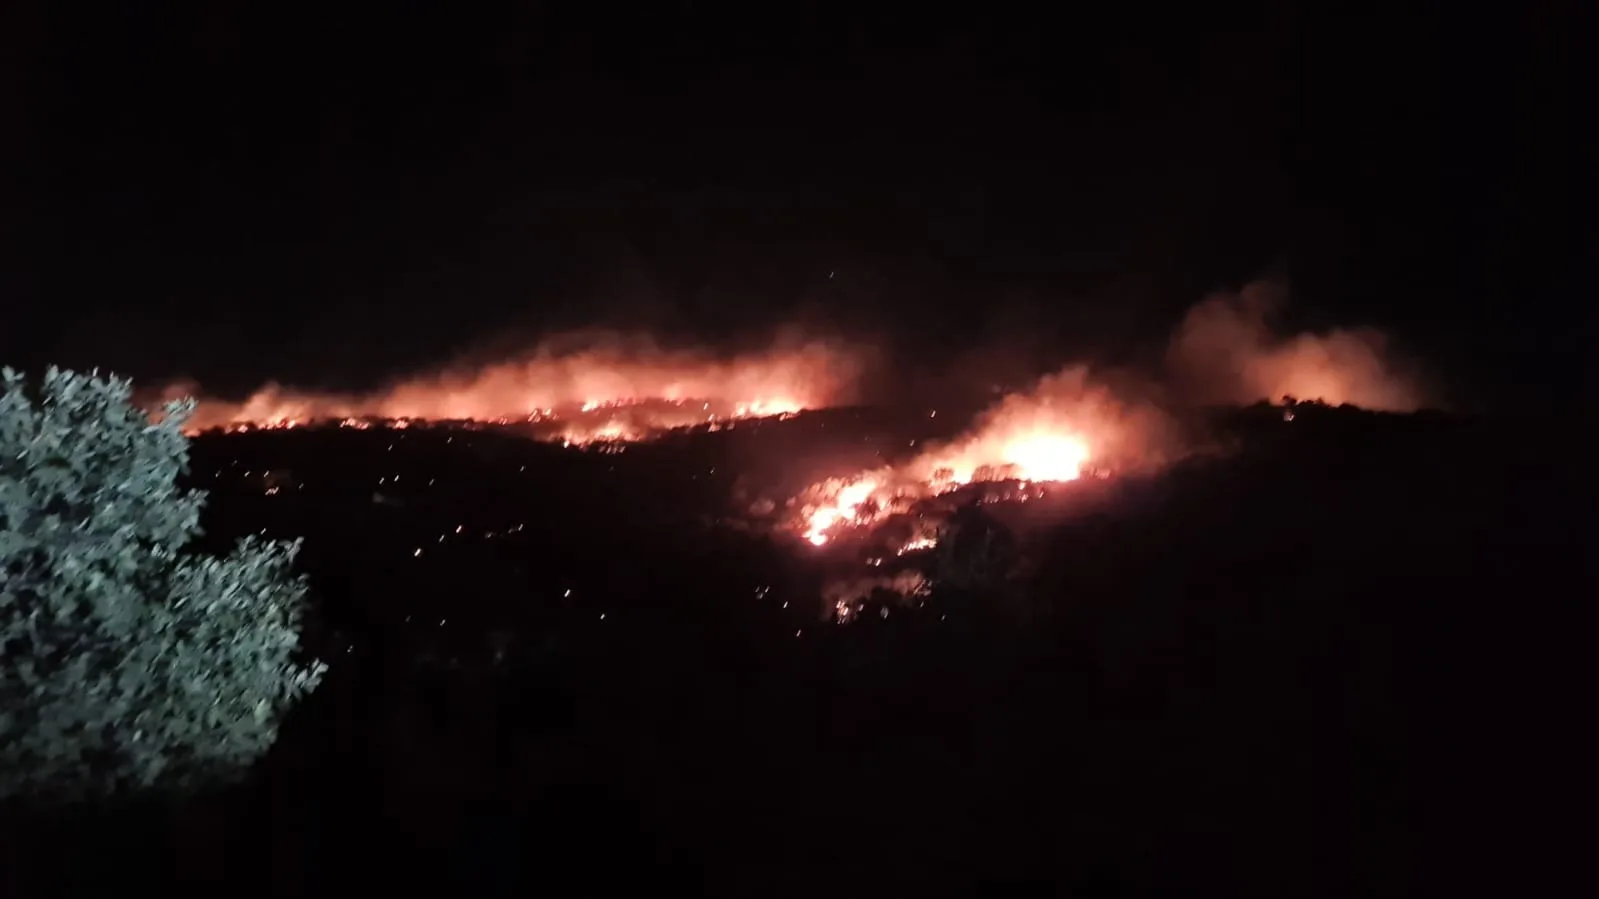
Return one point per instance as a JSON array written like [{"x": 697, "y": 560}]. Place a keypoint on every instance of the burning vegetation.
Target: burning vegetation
[
  {"x": 1066, "y": 428},
  {"x": 613, "y": 390},
  {"x": 887, "y": 519}
]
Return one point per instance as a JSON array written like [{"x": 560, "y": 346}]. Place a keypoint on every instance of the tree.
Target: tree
[{"x": 127, "y": 663}]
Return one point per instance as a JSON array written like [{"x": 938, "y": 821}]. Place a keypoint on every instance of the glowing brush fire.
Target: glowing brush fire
[
  {"x": 869, "y": 498},
  {"x": 1065, "y": 428},
  {"x": 624, "y": 390},
  {"x": 836, "y": 507}
]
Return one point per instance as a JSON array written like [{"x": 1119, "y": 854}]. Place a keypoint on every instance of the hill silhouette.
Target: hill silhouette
[{"x": 1303, "y": 666}]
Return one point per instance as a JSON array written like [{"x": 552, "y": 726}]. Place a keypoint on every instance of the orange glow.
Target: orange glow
[
  {"x": 1226, "y": 351},
  {"x": 624, "y": 390},
  {"x": 1047, "y": 457},
  {"x": 842, "y": 508},
  {"x": 1051, "y": 434}
]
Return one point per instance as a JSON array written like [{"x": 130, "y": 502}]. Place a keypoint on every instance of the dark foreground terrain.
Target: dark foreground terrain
[{"x": 1346, "y": 660}]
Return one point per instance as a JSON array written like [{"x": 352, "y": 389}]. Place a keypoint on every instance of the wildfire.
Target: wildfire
[
  {"x": 1059, "y": 431},
  {"x": 623, "y": 391},
  {"x": 842, "y": 508},
  {"x": 626, "y": 421},
  {"x": 1067, "y": 427}
]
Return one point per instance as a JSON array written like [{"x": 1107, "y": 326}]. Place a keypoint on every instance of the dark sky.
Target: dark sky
[{"x": 331, "y": 194}]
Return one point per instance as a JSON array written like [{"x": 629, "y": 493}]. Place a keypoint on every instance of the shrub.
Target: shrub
[
  {"x": 128, "y": 664},
  {"x": 975, "y": 552}
]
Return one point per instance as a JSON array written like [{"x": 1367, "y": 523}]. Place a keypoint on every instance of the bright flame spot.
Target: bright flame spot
[
  {"x": 1047, "y": 457},
  {"x": 1061, "y": 430},
  {"x": 843, "y": 508}
]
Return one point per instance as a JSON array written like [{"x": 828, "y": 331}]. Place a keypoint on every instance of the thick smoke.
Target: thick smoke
[{"x": 1225, "y": 352}]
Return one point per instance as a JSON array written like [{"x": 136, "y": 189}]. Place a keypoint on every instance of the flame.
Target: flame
[
  {"x": 1059, "y": 431},
  {"x": 1047, "y": 457},
  {"x": 623, "y": 391},
  {"x": 842, "y": 507}
]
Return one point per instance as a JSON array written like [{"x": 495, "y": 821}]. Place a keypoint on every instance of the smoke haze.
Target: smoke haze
[
  {"x": 583, "y": 369},
  {"x": 1224, "y": 351}
]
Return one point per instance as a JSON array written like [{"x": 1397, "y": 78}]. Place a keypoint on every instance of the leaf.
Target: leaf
[{"x": 129, "y": 664}]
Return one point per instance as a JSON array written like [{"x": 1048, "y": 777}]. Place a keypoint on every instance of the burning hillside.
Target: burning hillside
[
  {"x": 1076, "y": 424},
  {"x": 614, "y": 390},
  {"x": 1067, "y": 427}
]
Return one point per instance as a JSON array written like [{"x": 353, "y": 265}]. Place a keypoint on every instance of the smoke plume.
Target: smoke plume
[{"x": 1225, "y": 352}]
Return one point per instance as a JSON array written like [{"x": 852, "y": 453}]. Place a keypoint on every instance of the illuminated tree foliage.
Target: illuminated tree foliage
[{"x": 127, "y": 663}]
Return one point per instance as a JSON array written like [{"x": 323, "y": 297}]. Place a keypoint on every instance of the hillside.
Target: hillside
[{"x": 1278, "y": 668}]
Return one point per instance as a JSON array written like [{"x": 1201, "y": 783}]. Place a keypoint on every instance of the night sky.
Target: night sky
[{"x": 329, "y": 198}]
